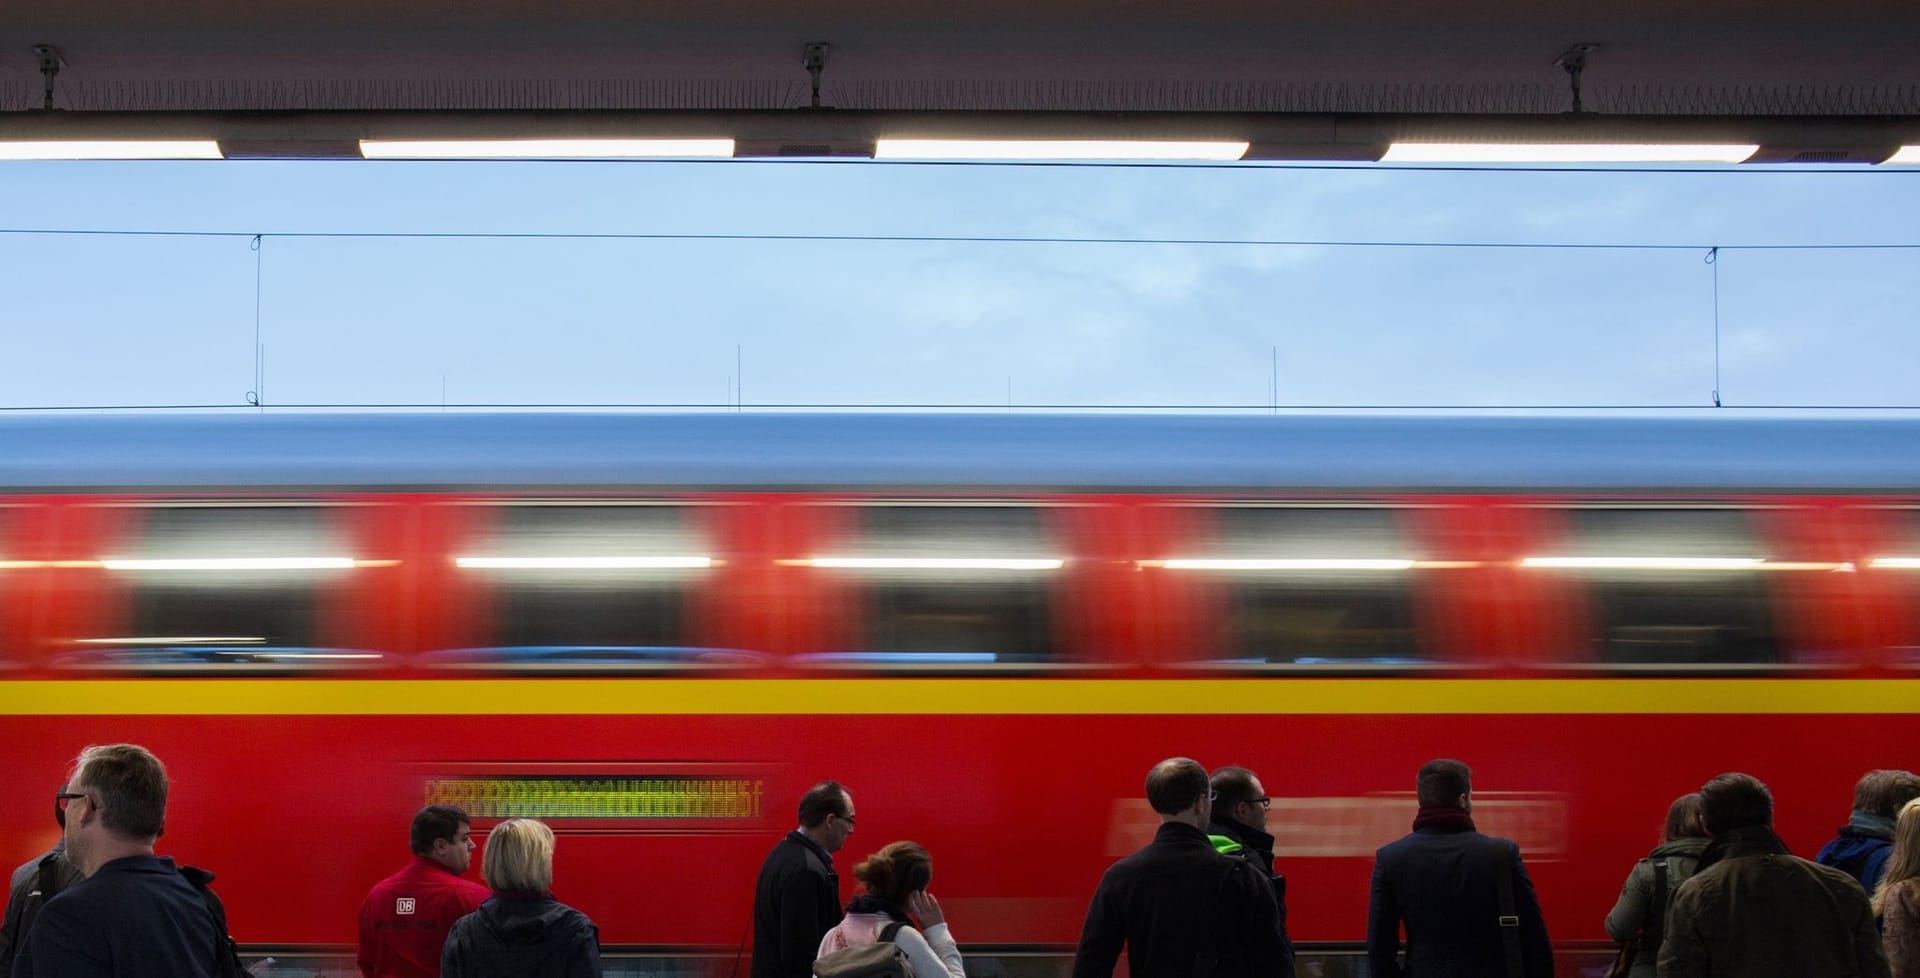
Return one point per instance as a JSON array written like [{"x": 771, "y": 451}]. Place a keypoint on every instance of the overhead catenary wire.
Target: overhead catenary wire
[{"x": 1012, "y": 239}]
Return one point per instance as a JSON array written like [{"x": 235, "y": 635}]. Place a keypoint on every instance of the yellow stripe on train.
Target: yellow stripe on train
[{"x": 950, "y": 696}]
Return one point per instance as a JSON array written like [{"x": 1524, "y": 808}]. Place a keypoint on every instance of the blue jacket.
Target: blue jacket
[
  {"x": 1861, "y": 856},
  {"x": 133, "y": 917},
  {"x": 1442, "y": 884}
]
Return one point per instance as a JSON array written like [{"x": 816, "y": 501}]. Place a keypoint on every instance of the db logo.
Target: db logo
[{"x": 403, "y": 905}]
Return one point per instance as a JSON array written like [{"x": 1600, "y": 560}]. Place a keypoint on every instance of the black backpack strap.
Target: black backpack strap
[
  {"x": 1655, "y": 929},
  {"x": 46, "y": 876},
  {"x": 891, "y": 933},
  {"x": 1509, "y": 912}
]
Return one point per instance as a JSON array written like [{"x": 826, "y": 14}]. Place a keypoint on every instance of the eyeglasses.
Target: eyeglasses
[
  {"x": 1264, "y": 803},
  {"x": 61, "y": 798},
  {"x": 844, "y": 818}
]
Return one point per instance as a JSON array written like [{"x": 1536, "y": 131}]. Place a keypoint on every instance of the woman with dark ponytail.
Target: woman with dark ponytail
[{"x": 893, "y": 889}]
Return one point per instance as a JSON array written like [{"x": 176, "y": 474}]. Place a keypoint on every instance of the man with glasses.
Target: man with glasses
[
  {"x": 797, "y": 899},
  {"x": 1239, "y": 826},
  {"x": 1181, "y": 909},
  {"x": 405, "y": 919},
  {"x": 133, "y": 914},
  {"x": 34, "y": 883}
]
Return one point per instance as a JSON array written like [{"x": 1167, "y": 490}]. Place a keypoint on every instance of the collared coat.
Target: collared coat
[
  {"x": 1756, "y": 911},
  {"x": 1443, "y": 884},
  {"x": 795, "y": 902}
]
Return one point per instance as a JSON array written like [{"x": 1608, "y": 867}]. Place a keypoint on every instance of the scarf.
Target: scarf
[
  {"x": 1446, "y": 818},
  {"x": 1871, "y": 826},
  {"x": 864, "y": 902}
]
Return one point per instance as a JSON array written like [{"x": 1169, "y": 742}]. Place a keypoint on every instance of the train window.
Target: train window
[
  {"x": 947, "y": 585},
  {"x": 1668, "y": 587},
  {"x": 1899, "y": 567},
  {"x": 589, "y": 587},
  {"x": 1303, "y": 585},
  {"x": 219, "y": 587}
]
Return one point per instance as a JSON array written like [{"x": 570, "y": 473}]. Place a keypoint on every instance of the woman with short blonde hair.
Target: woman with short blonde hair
[{"x": 521, "y": 931}]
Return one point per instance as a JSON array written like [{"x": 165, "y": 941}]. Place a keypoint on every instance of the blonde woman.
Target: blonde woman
[
  {"x": 521, "y": 931},
  {"x": 1897, "y": 900}
]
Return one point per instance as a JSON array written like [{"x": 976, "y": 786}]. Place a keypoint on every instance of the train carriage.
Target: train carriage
[{"x": 655, "y": 631}]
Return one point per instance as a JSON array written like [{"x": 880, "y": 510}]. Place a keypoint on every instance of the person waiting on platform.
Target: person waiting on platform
[
  {"x": 893, "y": 894},
  {"x": 521, "y": 931}
]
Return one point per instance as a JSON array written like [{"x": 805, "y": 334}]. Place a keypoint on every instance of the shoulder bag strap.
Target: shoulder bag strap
[
  {"x": 890, "y": 934},
  {"x": 1509, "y": 913},
  {"x": 1655, "y": 929}
]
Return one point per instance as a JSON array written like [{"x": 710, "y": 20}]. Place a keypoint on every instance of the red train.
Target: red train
[{"x": 655, "y": 631}]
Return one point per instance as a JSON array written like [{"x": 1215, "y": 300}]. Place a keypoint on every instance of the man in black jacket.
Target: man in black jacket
[
  {"x": 1239, "y": 825},
  {"x": 1181, "y": 909},
  {"x": 797, "y": 899},
  {"x": 1445, "y": 881},
  {"x": 30, "y": 889}
]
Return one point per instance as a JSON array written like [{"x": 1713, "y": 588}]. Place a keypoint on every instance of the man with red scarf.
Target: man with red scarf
[{"x": 1464, "y": 897}]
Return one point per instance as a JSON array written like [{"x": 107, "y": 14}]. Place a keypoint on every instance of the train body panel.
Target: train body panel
[{"x": 656, "y": 632}]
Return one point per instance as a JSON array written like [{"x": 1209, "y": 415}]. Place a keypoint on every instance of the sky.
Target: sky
[{"x": 120, "y": 319}]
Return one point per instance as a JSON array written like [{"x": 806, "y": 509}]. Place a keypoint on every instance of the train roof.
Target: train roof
[{"x": 1101, "y": 452}]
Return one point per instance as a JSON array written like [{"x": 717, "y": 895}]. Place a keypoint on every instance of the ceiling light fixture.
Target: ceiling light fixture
[
  {"x": 110, "y": 149},
  {"x": 1055, "y": 149},
  {"x": 1421, "y": 152},
  {"x": 937, "y": 563},
  {"x": 544, "y": 149},
  {"x": 1644, "y": 563},
  {"x": 1291, "y": 564},
  {"x": 584, "y": 563}
]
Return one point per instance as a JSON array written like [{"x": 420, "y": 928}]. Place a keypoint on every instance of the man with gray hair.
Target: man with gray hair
[
  {"x": 1181, "y": 909},
  {"x": 133, "y": 914}
]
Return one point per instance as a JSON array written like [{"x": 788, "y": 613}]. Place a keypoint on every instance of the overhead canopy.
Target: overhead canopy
[{"x": 1799, "y": 76}]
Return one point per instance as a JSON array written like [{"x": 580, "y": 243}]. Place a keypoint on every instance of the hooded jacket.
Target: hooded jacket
[
  {"x": 517, "y": 935},
  {"x": 1632, "y": 913},
  {"x": 1861, "y": 849}
]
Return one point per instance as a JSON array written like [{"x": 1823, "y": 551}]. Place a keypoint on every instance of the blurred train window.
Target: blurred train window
[
  {"x": 1900, "y": 564},
  {"x": 1306, "y": 585},
  {"x": 590, "y": 587},
  {"x": 218, "y": 587},
  {"x": 1668, "y": 587},
  {"x": 947, "y": 585}
]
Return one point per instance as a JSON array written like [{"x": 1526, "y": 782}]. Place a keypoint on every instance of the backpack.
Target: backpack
[
  {"x": 228, "y": 963},
  {"x": 881, "y": 959}
]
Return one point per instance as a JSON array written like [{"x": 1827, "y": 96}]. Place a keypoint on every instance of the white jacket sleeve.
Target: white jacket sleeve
[{"x": 933, "y": 953}]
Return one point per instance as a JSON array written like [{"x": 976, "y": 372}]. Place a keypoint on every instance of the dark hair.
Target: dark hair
[
  {"x": 1441, "y": 782},
  {"x": 1176, "y": 784},
  {"x": 433, "y": 823},
  {"x": 822, "y": 800},
  {"x": 897, "y": 870},
  {"x": 1683, "y": 818},
  {"x": 130, "y": 786},
  {"x": 1231, "y": 786},
  {"x": 1883, "y": 792},
  {"x": 1735, "y": 801}
]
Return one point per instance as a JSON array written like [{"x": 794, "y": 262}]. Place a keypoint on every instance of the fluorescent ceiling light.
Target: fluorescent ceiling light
[
  {"x": 1053, "y": 149},
  {"x": 1646, "y": 563},
  {"x": 1306, "y": 564},
  {"x": 230, "y": 564},
  {"x": 1896, "y": 563},
  {"x": 110, "y": 149},
  {"x": 543, "y": 149},
  {"x": 1568, "y": 153},
  {"x": 1907, "y": 154},
  {"x": 584, "y": 563},
  {"x": 936, "y": 563}
]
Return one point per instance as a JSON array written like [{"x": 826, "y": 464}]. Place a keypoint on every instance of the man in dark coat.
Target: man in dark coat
[
  {"x": 1239, "y": 825},
  {"x": 1864, "y": 843},
  {"x": 797, "y": 899},
  {"x": 134, "y": 914},
  {"x": 1754, "y": 910},
  {"x": 1444, "y": 881},
  {"x": 32, "y": 885},
  {"x": 1181, "y": 909}
]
